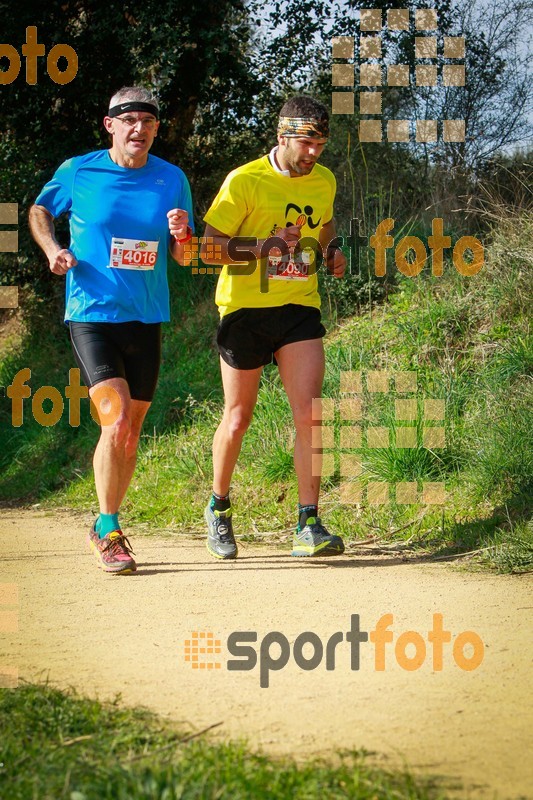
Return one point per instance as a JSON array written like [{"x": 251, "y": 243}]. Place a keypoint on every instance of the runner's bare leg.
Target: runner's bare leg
[
  {"x": 116, "y": 452},
  {"x": 240, "y": 394},
  {"x": 301, "y": 367}
]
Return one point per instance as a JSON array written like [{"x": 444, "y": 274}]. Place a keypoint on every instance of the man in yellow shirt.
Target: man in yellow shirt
[{"x": 270, "y": 306}]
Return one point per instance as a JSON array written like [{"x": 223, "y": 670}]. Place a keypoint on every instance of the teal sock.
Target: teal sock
[{"x": 105, "y": 524}]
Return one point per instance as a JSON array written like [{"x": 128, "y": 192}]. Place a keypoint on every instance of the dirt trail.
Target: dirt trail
[{"x": 106, "y": 634}]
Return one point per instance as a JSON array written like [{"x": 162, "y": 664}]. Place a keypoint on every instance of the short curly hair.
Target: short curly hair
[{"x": 302, "y": 105}]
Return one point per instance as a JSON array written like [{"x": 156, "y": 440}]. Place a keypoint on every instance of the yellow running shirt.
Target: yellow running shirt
[{"x": 256, "y": 200}]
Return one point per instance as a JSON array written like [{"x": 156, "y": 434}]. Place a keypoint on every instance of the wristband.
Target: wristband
[{"x": 185, "y": 238}]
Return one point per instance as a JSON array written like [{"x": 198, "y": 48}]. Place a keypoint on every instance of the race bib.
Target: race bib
[
  {"x": 132, "y": 254},
  {"x": 289, "y": 268}
]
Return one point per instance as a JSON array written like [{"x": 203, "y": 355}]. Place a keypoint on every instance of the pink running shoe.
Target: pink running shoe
[{"x": 112, "y": 552}]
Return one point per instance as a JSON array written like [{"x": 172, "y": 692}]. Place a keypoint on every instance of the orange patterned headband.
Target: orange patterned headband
[{"x": 303, "y": 126}]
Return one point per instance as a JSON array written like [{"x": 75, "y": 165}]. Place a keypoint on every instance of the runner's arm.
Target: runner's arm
[
  {"x": 333, "y": 256},
  {"x": 42, "y": 229},
  {"x": 178, "y": 224},
  {"x": 209, "y": 250}
]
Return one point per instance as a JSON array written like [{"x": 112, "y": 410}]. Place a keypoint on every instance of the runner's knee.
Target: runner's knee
[
  {"x": 119, "y": 431},
  {"x": 238, "y": 420},
  {"x": 132, "y": 441},
  {"x": 303, "y": 417}
]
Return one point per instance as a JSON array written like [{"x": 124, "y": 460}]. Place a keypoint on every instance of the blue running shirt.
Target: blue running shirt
[{"x": 106, "y": 201}]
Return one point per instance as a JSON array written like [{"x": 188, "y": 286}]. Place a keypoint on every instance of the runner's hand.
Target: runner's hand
[
  {"x": 336, "y": 263},
  {"x": 291, "y": 234},
  {"x": 62, "y": 262},
  {"x": 178, "y": 222}
]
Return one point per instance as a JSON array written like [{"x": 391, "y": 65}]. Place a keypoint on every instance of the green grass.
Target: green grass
[
  {"x": 57, "y": 745},
  {"x": 512, "y": 551},
  {"x": 467, "y": 339}
]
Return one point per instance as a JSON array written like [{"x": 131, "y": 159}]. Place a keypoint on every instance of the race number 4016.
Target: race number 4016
[
  {"x": 141, "y": 258},
  {"x": 132, "y": 254}
]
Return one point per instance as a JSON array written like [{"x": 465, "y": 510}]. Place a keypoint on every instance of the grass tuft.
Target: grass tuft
[{"x": 80, "y": 749}]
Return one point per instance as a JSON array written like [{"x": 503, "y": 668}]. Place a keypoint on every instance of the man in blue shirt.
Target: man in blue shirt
[{"x": 127, "y": 209}]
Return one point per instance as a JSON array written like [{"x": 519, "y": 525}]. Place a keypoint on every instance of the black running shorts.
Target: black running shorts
[
  {"x": 249, "y": 337},
  {"x": 129, "y": 350}
]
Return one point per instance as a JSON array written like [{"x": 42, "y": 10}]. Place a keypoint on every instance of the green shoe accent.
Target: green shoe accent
[
  {"x": 306, "y": 514},
  {"x": 220, "y": 540},
  {"x": 316, "y": 540}
]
